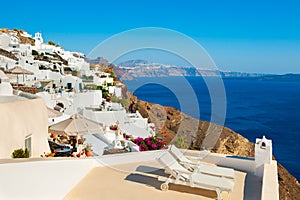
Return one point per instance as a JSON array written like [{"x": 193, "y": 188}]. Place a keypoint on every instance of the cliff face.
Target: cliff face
[
  {"x": 172, "y": 122},
  {"x": 195, "y": 132},
  {"x": 149, "y": 70}
]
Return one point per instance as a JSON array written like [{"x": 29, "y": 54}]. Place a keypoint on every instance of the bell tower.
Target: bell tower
[
  {"x": 263, "y": 154},
  {"x": 38, "y": 39}
]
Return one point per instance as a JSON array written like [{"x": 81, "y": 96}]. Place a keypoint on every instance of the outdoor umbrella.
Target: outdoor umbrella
[
  {"x": 76, "y": 124},
  {"x": 53, "y": 113},
  {"x": 19, "y": 70}
]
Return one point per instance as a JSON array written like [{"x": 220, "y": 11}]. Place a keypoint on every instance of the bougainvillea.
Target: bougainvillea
[{"x": 150, "y": 143}]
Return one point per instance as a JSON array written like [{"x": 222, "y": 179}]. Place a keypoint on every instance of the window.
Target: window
[
  {"x": 28, "y": 144},
  {"x": 69, "y": 85}
]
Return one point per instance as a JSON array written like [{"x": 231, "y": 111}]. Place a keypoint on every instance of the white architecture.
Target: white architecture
[
  {"x": 23, "y": 125},
  {"x": 38, "y": 40},
  {"x": 129, "y": 123},
  {"x": 72, "y": 102},
  {"x": 9, "y": 41},
  {"x": 5, "y": 86},
  {"x": 68, "y": 178},
  {"x": 76, "y": 62},
  {"x": 118, "y": 90},
  {"x": 54, "y": 76},
  {"x": 72, "y": 82},
  {"x": 263, "y": 154},
  {"x": 5, "y": 41},
  {"x": 103, "y": 79},
  {"x": 88, "y": 99},
  {"x": 14, "y": 42}
]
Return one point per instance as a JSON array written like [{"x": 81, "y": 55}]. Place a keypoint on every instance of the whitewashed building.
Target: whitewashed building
[
  {"x": 5, "y": 86},
  {"x": 70, "y": 82},
  {"x": 26, "y": 125},
  {"x": 103, "y": 79}
]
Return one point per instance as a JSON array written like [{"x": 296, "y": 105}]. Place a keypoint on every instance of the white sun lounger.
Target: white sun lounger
[
  {"x": 200, "y": 167},
  {"x": 181, "y": 176}
]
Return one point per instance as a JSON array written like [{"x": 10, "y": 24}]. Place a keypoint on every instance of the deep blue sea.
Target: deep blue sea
[{"x": 253, "y": 108}]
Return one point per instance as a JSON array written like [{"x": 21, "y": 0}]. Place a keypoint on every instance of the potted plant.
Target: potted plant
[
  {"x": 113, "y": 127},
  {"x": 81, "y": 140},
  {"x": 20, "y": 153},
  {"x": 88, "y": 150},
  {"x": 53, "y": 135}
]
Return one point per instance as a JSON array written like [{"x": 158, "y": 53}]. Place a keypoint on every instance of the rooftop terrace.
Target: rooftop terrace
[
  {"x": 126, "y": 176},
  {"x": 135, "y": 180},
  {"x": 10, "y": 99}
]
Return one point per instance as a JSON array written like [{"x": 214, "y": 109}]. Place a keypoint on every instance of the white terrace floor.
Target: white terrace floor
[
  {"x": 138, "y": 181},
  {"x": 122, "y": 176}
]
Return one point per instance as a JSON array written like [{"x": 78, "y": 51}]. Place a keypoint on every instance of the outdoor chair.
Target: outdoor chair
[
  {"x": 199, "y": 166},
  {"x": 181, "y": 176}
]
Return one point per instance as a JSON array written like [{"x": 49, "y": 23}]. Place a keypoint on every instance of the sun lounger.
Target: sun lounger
[
  {"x": 199, "y": 166},
  {"x": 181, "y": 176}
]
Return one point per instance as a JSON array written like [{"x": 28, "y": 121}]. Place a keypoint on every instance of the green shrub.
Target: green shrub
[
  {"x": 180, "y": 143},
  {"x": 42, "y": 67},
  {"x": 105, "y": 94},
  {"x": 51, "y": 43},
  {"x": 99, "y": 87},
  {"x": 20, "y": 153},
  {"x": 90, "y": 87},
  {"x": 115, "y": 99}
]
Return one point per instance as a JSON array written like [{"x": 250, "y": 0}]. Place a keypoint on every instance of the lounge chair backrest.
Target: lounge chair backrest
[
  {"x": 171, "y": 165},
  {"x": 178, "y": 154}
]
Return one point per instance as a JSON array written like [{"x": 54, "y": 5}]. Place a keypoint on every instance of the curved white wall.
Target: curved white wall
[
  {"x": 21, "y": 117},
  {"x": 6, "y": 89}
]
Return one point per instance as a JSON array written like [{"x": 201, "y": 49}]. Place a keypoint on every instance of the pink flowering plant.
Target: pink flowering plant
[{"x": 150, "y": 143}]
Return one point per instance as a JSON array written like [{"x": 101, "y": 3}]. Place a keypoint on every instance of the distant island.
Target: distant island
[{"x": 142, "y": 68}]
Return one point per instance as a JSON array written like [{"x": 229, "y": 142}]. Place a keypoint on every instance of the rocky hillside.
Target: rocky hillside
[
  {"x": 8, "y": 54},
  {"x": 25, "y": 40},
  {"x": 98, "y": 60},
  {"x": 22, "y": 39},
  {"x": 169, "y": 121}
]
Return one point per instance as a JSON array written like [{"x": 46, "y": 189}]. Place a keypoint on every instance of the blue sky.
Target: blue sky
[{"x": 251, "y": 36}]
